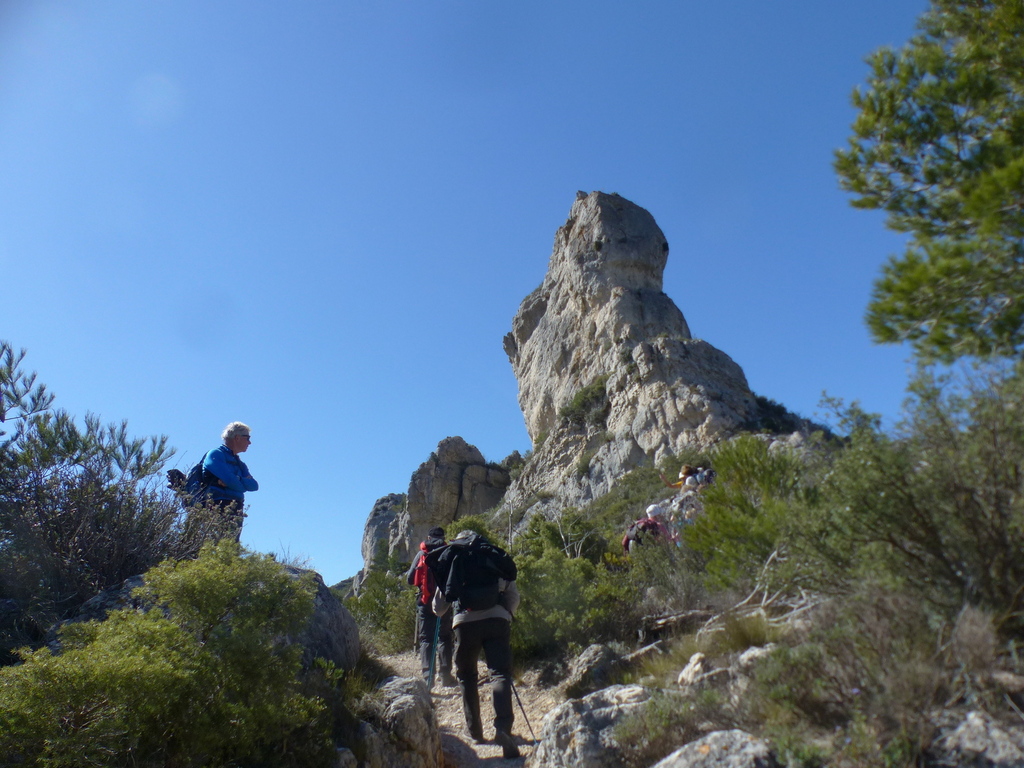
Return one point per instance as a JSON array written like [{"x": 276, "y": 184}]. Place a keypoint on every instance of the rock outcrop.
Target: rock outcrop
[
  {"x": 408, "y": 736},
  {"x": 609, "y": 374},
  {"x": 378, "y": 528},
  {"x": 722, "y": 749},
  {"x": 977, "y": 740},
  {"x": 455, "y": 482},
  {"x": 331, "y": 633},
  {"x": 581, "y": 732}
]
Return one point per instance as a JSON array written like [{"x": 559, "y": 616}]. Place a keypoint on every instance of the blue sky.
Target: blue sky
[{"x": 320, "y": 217}]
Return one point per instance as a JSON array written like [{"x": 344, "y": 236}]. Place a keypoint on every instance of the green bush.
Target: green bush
[
  {"x": 81, "y": 508},
  {"x": 385, "y": 610},
  {"x": 747, "y": 511},
  {"x": 206, "y": 679},
  {"x": 937, "y": 508},
  {"x": 568, "y": 599},
  {"x": 866, "y": 673},
  {"x": 577, "y": 590},
  {"x": 589, "y": 405},
  {"x": 665, "y": 722}
]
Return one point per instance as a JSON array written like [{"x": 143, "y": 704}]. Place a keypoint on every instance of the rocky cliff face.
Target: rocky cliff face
[
  {"x": 454, "y": 482},
  {"x": 609, "y": 374}
]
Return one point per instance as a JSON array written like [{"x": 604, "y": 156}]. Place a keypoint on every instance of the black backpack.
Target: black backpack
[
  {"x": 192, "y": 487},
  {"x": 468, "y": 570}
]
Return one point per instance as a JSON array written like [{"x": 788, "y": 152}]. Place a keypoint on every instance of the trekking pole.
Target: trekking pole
[
  {"x": 433, "y": 652},
  {"x": 523, "y": 710}
]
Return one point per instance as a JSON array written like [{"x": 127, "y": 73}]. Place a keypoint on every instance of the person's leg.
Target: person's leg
[
  {"x": 425, "y": 619},
  {"x": 497, "y": 648},
  {"x": 467, "y": 651},
  {"x": 446, "y": 641}
]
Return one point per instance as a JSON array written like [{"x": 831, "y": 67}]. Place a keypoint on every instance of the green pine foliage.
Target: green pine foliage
[
  {"x": 208, "y": 678},
  {"x": 578, "y": 589},
  {"x": 939, "y": 145}
]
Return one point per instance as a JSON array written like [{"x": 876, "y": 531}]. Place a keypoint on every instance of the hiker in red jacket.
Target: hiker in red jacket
[
  {"x": 647, "y": 528},
  {"x": 427, "y": 630}
]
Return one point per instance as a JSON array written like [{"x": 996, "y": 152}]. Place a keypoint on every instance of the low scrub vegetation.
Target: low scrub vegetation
[{"x": 207, "y": 675}]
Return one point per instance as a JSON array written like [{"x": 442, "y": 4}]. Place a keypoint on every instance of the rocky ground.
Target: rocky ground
[{"x": 459, "y": 749}]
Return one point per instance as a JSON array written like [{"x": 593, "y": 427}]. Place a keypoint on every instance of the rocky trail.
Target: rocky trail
[{"x": 459, "y": 749}]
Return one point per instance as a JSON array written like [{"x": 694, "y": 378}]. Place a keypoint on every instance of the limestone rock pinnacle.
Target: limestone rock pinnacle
[{"x": 609, "y": 375}]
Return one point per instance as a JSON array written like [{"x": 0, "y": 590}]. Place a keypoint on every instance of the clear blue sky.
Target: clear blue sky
[{"x": 320, "y": 217}]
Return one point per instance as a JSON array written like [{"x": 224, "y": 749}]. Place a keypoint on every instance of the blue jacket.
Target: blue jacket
[{"x": 231, "y": 470}]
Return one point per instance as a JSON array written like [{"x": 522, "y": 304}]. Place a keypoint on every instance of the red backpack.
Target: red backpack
[
  {"x": 636, "y": 532},
  {"x": 423, "y": 576}
]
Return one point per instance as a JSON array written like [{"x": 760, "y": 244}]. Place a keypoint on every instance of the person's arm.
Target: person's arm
[
  {"x": 247, "y": 479},
  {"x": 666, "y": 482},
  {"x": 410, "y": 575},
  {"x": 233, "y": 475},
  {"x": 510, "y": 597}
]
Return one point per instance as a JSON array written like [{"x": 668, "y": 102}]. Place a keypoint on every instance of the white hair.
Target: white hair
[{"x": 234, "y": 429}]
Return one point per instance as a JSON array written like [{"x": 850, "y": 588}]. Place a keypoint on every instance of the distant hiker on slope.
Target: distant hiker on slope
[
  {"x": 478, "y": 579},
  {"x": 647, "y": 528},
  {"x": 687, "y": 478},
  {"x": 686, "y": 506},
  {"x": 433, "y": 634}
]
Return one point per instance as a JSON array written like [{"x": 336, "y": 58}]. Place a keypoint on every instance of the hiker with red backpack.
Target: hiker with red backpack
[
  {"x": 649, "y": 527},
  {"x": 433, "y": 633},
  {"x": 477, "y": 580}
]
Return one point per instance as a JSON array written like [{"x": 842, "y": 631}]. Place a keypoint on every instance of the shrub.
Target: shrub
[
  {"x": 589, "y": 405},
  {"x": 385, "y": 610},
  {"x": 746, "y": 512},
  {"x": 80, "y": 508},
  {"x": 866, "y": 669},
  {"x": 385, "y": 606},
  {"x": 665, "y": 722},
  {"x": 626, "y": 501},
  {"x": 576, "y": 592},
  {"x": 208, "y": 680},
  {"x": 938, "y": 507}
]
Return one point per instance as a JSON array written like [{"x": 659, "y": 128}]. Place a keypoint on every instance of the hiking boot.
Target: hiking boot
[
  {"x": 448, "y": 680},
  {"x": 476, "y": 735},
  {"x": 507, "y": 742}
]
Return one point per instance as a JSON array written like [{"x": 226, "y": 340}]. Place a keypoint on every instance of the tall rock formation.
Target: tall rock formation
[
  {"x": 609, "y": 374},
  {"x": 454, "y": 482}
]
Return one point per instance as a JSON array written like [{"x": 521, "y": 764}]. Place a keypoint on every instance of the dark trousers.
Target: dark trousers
[
  {"x": 493, "y": 637},
  {"x": 426, "y": 621}
]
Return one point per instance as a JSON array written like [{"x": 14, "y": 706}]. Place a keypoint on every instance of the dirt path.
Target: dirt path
[{"x": 459, "y": 749}]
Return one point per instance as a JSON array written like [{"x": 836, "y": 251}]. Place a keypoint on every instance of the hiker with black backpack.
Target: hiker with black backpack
[
  {"x": 477, "y": 579},
  {"x": 433, "y": 633}
]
